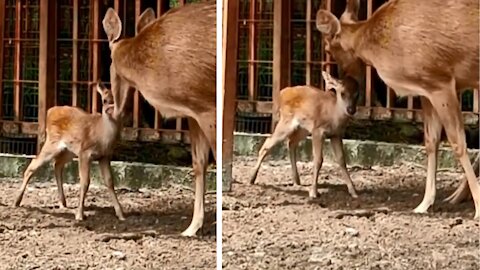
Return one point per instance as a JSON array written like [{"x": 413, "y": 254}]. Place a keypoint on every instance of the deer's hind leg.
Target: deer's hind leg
[
  {"x": 432, "y": 132},
  {"x": 48, "y": 152},
  {"x": 293, "y": 140},
  {"x": 463, "y": 191},
  {"x": 283, "y": 129},
  {"x": 447, "y": 107},
  {"x": 60, "y": 161}
]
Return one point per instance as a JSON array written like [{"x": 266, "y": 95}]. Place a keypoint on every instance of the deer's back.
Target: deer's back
[
  {"x": 307, "y": 101},
  {"x": 71, "y": 122},
  {"x": 425, "y": 37},
  {"x": 173, "y": 59}
]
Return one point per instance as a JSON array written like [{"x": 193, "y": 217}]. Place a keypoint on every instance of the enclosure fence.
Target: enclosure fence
[{"x": 52, "y": 53}]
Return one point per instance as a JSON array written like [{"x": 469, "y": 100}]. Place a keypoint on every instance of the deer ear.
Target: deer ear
[
  {"x": 327, "y": 23},
  {"x": 330, "y": 82},
  {"x": 100, "y": 87},
  {"x": 350, "y": 15},
  {"x": 147, "y": 17},
  {"x": 112, "y": 25}
]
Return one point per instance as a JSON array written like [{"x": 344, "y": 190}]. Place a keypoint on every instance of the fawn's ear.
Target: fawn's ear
[
  {"x": 147, "y": 17},
  {"x": 330, "y": 82},
  {"x": 100, "y": 88},
  {"x": 112, "y": 25},
  {"x": 327, "y": 23}
]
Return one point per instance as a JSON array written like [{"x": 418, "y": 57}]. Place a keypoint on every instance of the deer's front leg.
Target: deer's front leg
[{"x": 200, "y": 150}]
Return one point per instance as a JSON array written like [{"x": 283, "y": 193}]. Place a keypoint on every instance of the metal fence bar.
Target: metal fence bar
[
  {"x": 476, "y": 100},
  {"x": 95, "y": 48},
  {"x": 2, "y": 44},
  {"x": 17, "y": 68},
  {"x": 252, "y": 52},
  {"x": 136, "y": 94},
  {"x": 308, "y": 49},
  {"x": 75, "y": 54}
]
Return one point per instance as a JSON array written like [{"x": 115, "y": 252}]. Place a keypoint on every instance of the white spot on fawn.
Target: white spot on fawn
[{"x": 62, "y": 145}]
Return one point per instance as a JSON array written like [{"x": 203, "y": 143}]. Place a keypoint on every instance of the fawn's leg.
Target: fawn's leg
[
  {"x": 283, "y": 129},
  {"x": 337, "y": 146},
  {"x": 84, "y": 169},
  {"x": 60, "y": 161},
  {"x": 48, "y": 152},
  {"x": 106, "y": 172},
  {"x": 293, "y": 141},
  {"x": 318, "y": 138}
]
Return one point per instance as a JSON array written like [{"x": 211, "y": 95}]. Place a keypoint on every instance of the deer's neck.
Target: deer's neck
[
  {"x": 108, "y": 128},
  {"x": 353, "y": 40}
]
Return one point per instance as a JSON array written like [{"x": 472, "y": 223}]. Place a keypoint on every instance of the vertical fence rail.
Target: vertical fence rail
[
  {"x": 75, "y": 53},
  {"x": 2, "y": 56},
  {"x": 46, "y": 76},
  {"x": 252, "y": 51},
  {"x": 162, "y": 7},
  {"x": 308, "y": 43},
  {"x": 17, "y": 89},
  {"x": 368, "y": 71},
  {"x": 476, "y": 100},
  {"x": 136, "y": 94},
  {"x": 231, "y": 11},
  {"x": 281, "y": 41},
  {"x": 95, "y": 11}
]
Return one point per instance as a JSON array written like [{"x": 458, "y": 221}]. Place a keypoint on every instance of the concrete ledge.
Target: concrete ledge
[
  {"x": 363, "y": 153},
  {"x": 127, "y": 174}
]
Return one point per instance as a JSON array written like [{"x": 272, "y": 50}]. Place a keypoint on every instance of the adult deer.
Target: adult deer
[
  {"x": 171, "y": 61},
  {"x": 426, "y": 48}
]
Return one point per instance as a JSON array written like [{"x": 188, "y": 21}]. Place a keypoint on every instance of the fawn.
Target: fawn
[
  {"x": 306, "y": 109},
  {"x": 73, "y": 132}
]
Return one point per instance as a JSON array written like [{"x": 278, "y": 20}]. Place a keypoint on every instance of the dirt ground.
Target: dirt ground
[
  {"x": 39, "y": 235},
  {"x": 273, "y": 225}
]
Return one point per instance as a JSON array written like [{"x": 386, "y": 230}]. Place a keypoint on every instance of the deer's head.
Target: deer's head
[
  {"x": 107, "y": 99},
  {"x": 112, "y": 26},
  {"x": 337, "y": 41},
  {"x": 346, "y": 91}
]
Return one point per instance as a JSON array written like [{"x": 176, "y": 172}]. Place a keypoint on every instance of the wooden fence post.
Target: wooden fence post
[
  {"x": 230, "y": 87},
  {"x": 46, "y": 66},
  {"x": 281, "y": 52}
]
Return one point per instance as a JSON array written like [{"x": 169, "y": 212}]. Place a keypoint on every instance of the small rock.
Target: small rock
[
  {"x": 259, "y": 254},
  {"x": 352, "y": 231},
  {"x": 456, "y": 222},
  {"x": 119, "y": 255},
  {"x": 230, "y": 253}
]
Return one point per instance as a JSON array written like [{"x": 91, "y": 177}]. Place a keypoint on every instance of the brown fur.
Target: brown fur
[
  {"x": 73, "y": 132},
  {"x": 306, "y": 109},
  {"x": 172, "y": 62},
  {"x": 424, "y": 48}
]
